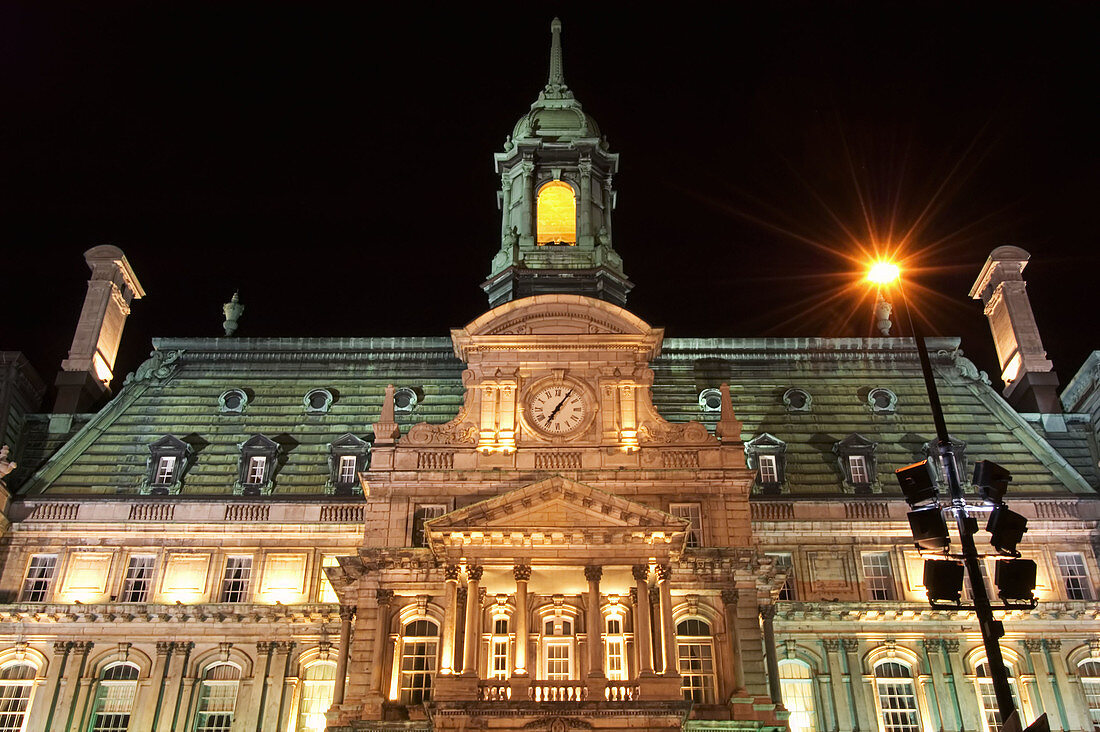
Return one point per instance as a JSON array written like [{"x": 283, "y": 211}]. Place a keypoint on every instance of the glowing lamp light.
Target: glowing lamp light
[
  {"x": 315, "y": 722},
  {"x": 883, "y": 273}
]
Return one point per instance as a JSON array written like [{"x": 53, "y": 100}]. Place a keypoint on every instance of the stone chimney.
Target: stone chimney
[
  {"x": 1030, "y": 382},
  {"x": 86, "y": 374}
]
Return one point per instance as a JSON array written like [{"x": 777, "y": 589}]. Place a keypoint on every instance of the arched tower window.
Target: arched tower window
[
  {"x": 695, "y": 650},
  {"x": 897, "y": 697},
  {"x": 419, "y": 650},
  {"x": 557, "y": 214},
  {"x": 16, "y": 685},
  {"x": 796, "y": 681},
  {"x": 988, "y": 697},
  {"x": 114, "y": 698},
  {"x": 218, "y": 698},
  {"x": 318, "y": 682}
]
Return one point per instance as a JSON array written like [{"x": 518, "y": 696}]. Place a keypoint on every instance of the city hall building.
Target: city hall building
[{"x": 555, "y": 518}]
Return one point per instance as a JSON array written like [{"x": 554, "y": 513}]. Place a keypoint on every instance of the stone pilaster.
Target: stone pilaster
[
  {"x": 42, "y": 713},
  {"x": 767, "y": 620},
  {"x": 642, "y": 633},
  {"x": 450, "y": 618},
  {"x": 668, "y": 627},
  {"x": 473, "y": 620},
  {"x": 276, "y": 683},
  {"x": 840, "y": 681},
  {"x": 729, "y": 605}
]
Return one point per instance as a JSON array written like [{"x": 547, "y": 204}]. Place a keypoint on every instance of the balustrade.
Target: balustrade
[
  {"x": 497, "y": 690},
  {"x": 558, "y": 691}
]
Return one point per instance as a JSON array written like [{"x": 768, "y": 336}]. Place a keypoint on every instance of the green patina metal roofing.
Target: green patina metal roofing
[{"x": 109, "y": 454}]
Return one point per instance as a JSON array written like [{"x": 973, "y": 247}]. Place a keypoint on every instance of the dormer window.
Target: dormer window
[
  {"x": 767, "y": 455},
  {"x": 233, "y": 401},
  {"x": 258, "y": 463},
  {"x": 882, "y": 401},
  {"x": 710, "y": 400},
  {"x": 856, "y": 457},
  {"x": 348, "y": 456},
  {"x": 557, "y": 214},
  {"x": 169, "y": 458},
  {"x": 797, "y": 400},
  {"x": 317, "y": 401},
  {"x": 405, "y": 399}
]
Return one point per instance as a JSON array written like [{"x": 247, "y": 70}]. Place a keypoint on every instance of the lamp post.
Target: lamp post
[{"x": 885, "y": 274}]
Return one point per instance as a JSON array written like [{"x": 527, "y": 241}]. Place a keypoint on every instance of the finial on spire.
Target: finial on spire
[{"x": 556, "y": 83}]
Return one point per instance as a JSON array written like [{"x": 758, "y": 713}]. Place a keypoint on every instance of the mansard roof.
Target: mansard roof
[{"x": 178, "y": 394}]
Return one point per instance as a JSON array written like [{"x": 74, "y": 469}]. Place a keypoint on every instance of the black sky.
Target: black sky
[{"x": 334, "y": 162}]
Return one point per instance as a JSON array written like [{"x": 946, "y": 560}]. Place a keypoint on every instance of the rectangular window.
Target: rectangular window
[
  {"x": 166, "y": 470},
  {"x": 769, "y": 469},
  {"x": 696, "y": 672},
  {"x": 139, "y": 579},
  {"x": 257, "y": 469},
  {"x": 40, "y": 576},
  {"x": 1071, "y": 568},
  {"x": 694, "y": 515},
  {"x": 421, "y": 513},
  {"x": 879, "y": 576},
  {"x": 326, "y": 593},
  {"x": 785, "y": 561},
  {"x": 347, "y": 470},
  {"x": 857, "y": 466},
  {"x": 500, "y": 658},
  {"x": 238, "y": 573},
  {"x": 557, "y": 661},
  {"x": 616, "y": 668}
]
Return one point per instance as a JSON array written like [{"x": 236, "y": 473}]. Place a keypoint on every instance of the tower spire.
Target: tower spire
[{"x": 555, "y": 85}]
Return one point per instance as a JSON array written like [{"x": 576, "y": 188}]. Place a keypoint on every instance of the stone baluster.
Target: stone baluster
[
  {"x": 381, "y": 628},
  {"x": 473, "y": 618},
  {"x": 729, "y": 604},
  {"x": 450, "y": 619},
  {"x": 346, "y": 614},
  {"x": 668, "y": 627},
  {"x": 522, "y": 573},
  {"x": 641, "y": 620},
  {"x": 771, "y": 658},
  {"x": 593, "y": 616}
]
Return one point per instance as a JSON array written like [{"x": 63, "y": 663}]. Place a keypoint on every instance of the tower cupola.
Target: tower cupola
[{"x": 556, "y": 200}]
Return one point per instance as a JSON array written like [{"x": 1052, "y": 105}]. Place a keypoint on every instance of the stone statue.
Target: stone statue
[
  {"x": 6, "y": 466},
  {"x": 233, "y": 311},
  {"x": 883, "y": 309},
  {"x": 603, "y": 238},
  {"x": 511, "y": 238}
]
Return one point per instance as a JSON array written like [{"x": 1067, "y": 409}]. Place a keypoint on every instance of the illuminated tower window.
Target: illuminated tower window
[{"x": 557, "y": 214}]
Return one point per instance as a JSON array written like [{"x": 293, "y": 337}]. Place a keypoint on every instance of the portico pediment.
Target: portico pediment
[{"x": 557, "y": 514}]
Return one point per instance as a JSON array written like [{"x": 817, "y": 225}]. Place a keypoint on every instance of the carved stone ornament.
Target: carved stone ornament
[
  {"x": 522, "y": 572},
  {"x": 159, "y": 366},
  {"x": 557, "y": 724},
  {"x": 459, "y": 431},
  {"x": 667, "y": 433}
]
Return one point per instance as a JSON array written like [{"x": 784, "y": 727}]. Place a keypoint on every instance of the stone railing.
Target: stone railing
[
  {"x": 152, "y": 511},
  {"x": 435, "y": 460},
  {"x": 557, "y": 461},
  {"x": 247, "y": 512},
  {"x": 622, "y": 692},
  {"x": 342, "y": 514},
  {"x": 768, "y": 511},
  {"x": 494, "y": 690},
  {"x": 55, "y": 512},
  {"x": 680, "y": 459},
  {"x": 558, "y": 691},
  {"x": 866, "y": 510}
]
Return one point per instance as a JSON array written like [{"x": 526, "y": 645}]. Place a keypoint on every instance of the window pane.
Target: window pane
[
  {"x": 256, "y": 469},
  {"x": 1071, "y": 567},
  {"x": 114, "y": 698},
  {"x": 797, "y": 686},
  {"x": 217, "y": 699},
  {"x": 238, "y": 572},
  {"x": 347, "y": 470},
  {"x": 784, "y": 561},
  {"x": 557, "y": 214},
  {"x": 857, "y": 464},
  {"x": 988, "y": 697},
  {"x": 166, "y": 469},
  {"x": 880, "y": 578},
  {"x": 557, "y": 661},
  {"x": 40, "y": 573},
  {"x": 1089, "y": 672},
  {"x": 424, "y": 512},
  {"x": 896, "y": 697},
  {"x": 769, "y": 469},
  {"x": 139, "y": 580}
]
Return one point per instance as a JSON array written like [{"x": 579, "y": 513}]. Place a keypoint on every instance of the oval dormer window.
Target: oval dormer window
[{"x": 557, "y": 214}]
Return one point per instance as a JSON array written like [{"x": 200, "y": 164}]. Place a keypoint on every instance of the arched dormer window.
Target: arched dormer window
[
  {"x": 557, "y": 214},
  {"x": 695, "y": 651},
  {"x": 796, "y": 682},
  {"x": 114, "y": 697}
]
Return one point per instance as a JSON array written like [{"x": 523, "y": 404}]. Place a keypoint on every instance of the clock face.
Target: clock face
[{"x": 558, "y": 409}]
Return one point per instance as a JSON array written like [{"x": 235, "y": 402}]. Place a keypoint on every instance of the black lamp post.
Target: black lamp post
[{"x": 992, "y": 629}]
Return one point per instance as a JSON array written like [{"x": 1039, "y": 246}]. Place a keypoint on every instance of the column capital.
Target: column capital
[
  {"x": 832, "y": 645},
  {"x": 474, "y": 572},
  {"x": 82, "y": 646},
  {"x": 640, "y": 572},
  {"x": 593, "y": 572},
  {"x": 165, "y": 647},
  {"x": 664, "y": 572},
  {"x": 950, "y": 645},
  {"x": 522, "y": 572},
  {"x": 931, "y": 644},
  {"x": 729, "y": 596},
  {"x": 1033, "y": 645},
  {"x": 633, "y": 595},
  {"x": 265, "y": 646},
  {"x": 60, "y": 648},
  {"x": 1053, "y": 645},
  {"x": 284, "y": 646},
  {"x": 767, "y": 613},
  {"x": 450, "y": 572},
  {"x": 347, "y": 612},
  {"x": 383, "y": 597},
  {"x": 850, "y": 644}
]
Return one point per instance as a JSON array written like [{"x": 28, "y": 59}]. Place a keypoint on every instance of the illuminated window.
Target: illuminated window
[
  {"x": 988, "y": 697},
  {"x": 1089, "y": 672},
  {"x": 767, "y": 455},
  {"x": 614, "y": 645},
  {"x": 557, "y": 654},
  {"x": 114, "y": 698},
  {"x": 694, "y": 515},
  {"x": 1071, "y": 568},
  {"x": 857, "y": 468},
  {"x": 327, "y": 594},
  {"x": 318, "y": 684},
  {"x": 419, "y": 644},
  {"x": 879, "y": 575},
  {"x": 424, "y": 512},
  {"x": 139, "y": 579},
  {"x": 166, "y": 470},
  {"x": 169, "y": 458},
  {"x": 856, "y": 458},
  {"x": 557, "y": 214},
  {"x": 238, "y": 574},
  {"x": 785, "y": 561},
  {"x": 257, "y": 469},
  {"x": 498, "y": 663},
  {"x": 218, "y": 698},
  {"x": 16, "y": 688},
  {"x": 258, "y": 464},
  {"x": 695, "y": 650},
  {"x": 347, "y": 469},
  {"x": 897, "y": 698},
  {"x": 40, "y": 576},
  {"x": 796, "y": 681},
  {"x": 348, "y": 456},
  {"x": 769, "y": 469}
]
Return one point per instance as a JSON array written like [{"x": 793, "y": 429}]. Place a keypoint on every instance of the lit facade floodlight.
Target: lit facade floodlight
[
  {"x": 1006, "y": 528},
  {"x": 929, "y": 529},
  {"x": 883, "y": 273},
  {"x": 916, "y": 483},
  {"x": 943, "y": 580},
  {"x": 991, "y": 480},
  {"x": 1015, "y": 580}
]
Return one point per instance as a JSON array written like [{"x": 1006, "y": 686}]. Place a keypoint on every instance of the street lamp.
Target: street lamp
[{"x": 884, "y": 275}]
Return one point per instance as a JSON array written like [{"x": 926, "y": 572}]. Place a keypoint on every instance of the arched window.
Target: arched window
[
  {"x": 16, "y": 686},
  {"x": 218, "y": 698},
  {"x": 988, "y": 698},
  {"x": 796, "y": 681},
  {"x": 557, "y": 648},
  {"x": 419, "y": 650},
  {"x": 114, "y": 698},
  {"x": 615, "y": 648},
  {"x": 1089, "y": 671},
  {"x": 695, "y": 650},
  {"x": 318, "y": 682},
  {"x": 557, "y": 214},
  {"x": 897, "y": 697}
]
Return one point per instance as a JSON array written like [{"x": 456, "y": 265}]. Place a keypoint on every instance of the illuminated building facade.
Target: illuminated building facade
[{"x": 555, "y": 519}]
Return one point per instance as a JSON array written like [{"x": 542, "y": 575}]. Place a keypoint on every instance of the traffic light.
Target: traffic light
[
  {"x": 929, "y": 529},
  {"x": 944, "y": 580},
  {"x": 992, "y": 480},
  {"x": 1015, "y": 580},
  {"x": 916, "y": 483},
  {"x": 1006, "y": 528}
]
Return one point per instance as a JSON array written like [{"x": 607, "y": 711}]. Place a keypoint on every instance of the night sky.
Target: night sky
[{"x": 334, "y": 163}]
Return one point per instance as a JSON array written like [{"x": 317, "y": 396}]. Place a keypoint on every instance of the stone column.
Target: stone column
[
  {"x": 450, "y": 618},
  {"x": 1059, "y": 684},
  {"x": 460, "y": 626},
  {"x": 258, "y": 700},
  {"x": 527, "y": 208},
  {"x": 381, "y": 630},
  {"x": 147, "y": 715},
  {"x": 729, "y": 604},
  {"x": 668, "y": 627},
  {"x": 69, "y": 709},
  {"x": 505, "y": 204},
  {"x": 593, "y": 616},
  {"x": 274, "y": 684},
  {"x": 585, "y": 206},
  {"x": 1044, "y": 693},
  {"x": 656, "y": 629},
  {"x": 968, "y": 700},
  {"x": 473, "y": 617},
  {"x": 522, "y": 573},
  {"x": 641, "y": 620},
  {"x": 767, "y": 619},
  {"x": 842, "y": 698},
  {"x": 347, "y": 612},
  {"x": 42, "y": 712}
]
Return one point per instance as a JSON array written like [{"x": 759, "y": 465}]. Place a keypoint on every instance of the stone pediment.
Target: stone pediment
[{"x": 557, "y": 512}]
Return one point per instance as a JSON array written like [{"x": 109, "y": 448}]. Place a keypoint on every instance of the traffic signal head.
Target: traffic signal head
[
  {"x": 929, "y": 529},
  {"x": 916, "y": 483},
  {"x": 992, "y": 480},
  {"x": 1015, "y": 580},
  {"x": 1006, "y": 529},
  {"x": 944, "y": 580}
]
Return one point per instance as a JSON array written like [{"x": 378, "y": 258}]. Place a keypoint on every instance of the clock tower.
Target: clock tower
[{"x": 556, "y": 200}]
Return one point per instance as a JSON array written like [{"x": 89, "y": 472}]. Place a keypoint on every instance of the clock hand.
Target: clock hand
[{"x": 554, "y": 412}]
